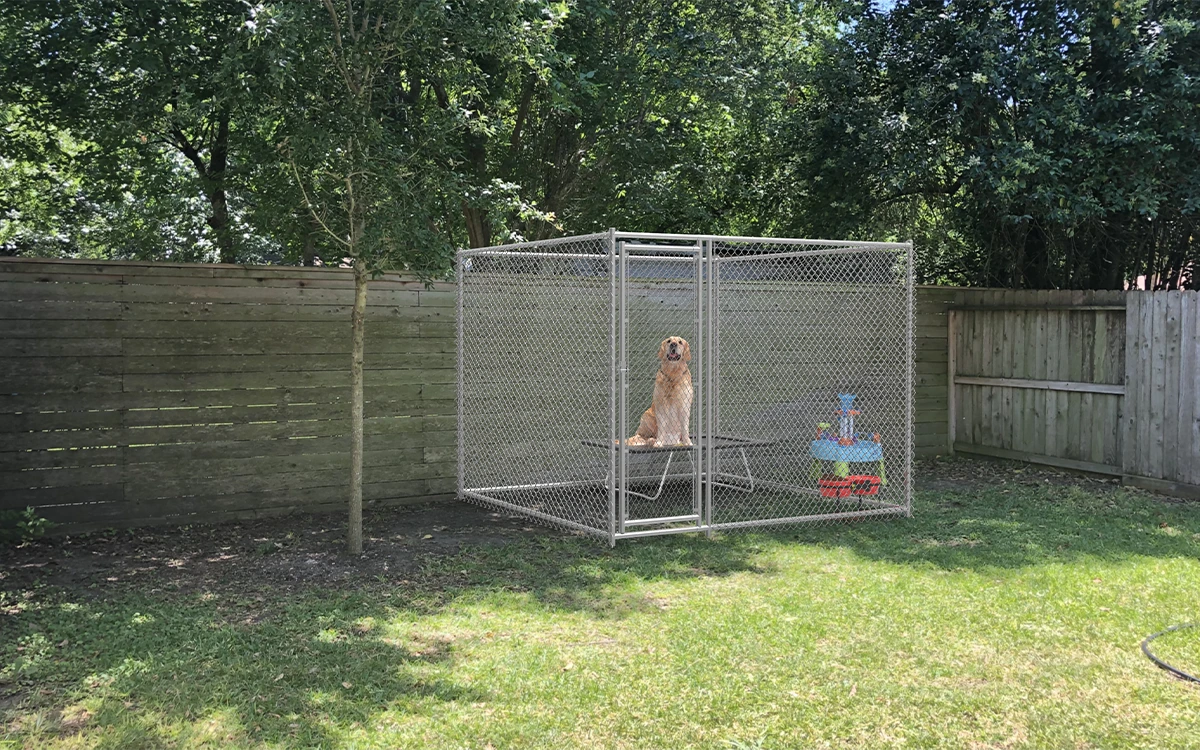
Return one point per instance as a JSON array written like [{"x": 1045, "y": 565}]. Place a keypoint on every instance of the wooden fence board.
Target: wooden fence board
[
  {"x": 1037, "y": 415},
  {"x": 986, "y": 362},
  {"x": 1053, "y": 355},
  {"x": 390, "y": 396},
  {"x": 287, "y": 363},
  {"x": 122, "y": 377},
  {"x": 1187, "y": 433},
  {"x": 1146, "y": 389},
  {"x": 377, "y": 311},
  {"x": 1036, "y": 365},
  {"x": 1158, "y": 354},
  {"x": 65, "y": 477},
  {"x": 132, "y": 331},
  {"x": 182, "y": 294},
  {"x": 1105, "y": 388},
  {"x": 1171, "y": 370}
]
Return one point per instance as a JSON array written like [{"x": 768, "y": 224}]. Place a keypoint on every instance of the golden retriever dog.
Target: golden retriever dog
[{"x": 665, "y": 423}]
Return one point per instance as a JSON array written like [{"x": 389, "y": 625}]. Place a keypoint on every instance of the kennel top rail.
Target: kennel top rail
[{"x": 666, "y": 237}]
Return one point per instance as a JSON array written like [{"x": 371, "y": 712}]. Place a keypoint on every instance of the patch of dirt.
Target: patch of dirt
[
  {"x": 308, "y": 551},
  {"x": 965, "y": 474},
  {"x": 289, "y": 552}
]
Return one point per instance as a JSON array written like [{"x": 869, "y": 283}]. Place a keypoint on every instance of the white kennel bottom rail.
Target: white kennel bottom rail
[
  {"x": 874, "y": 508},
  {"x": 739, "y": 484}
]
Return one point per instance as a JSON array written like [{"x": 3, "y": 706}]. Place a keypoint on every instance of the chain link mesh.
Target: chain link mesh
[
  {"x": 781, "y": 334},
  {"x": 662, "y": 299},
  {"x": 798, "y": 332},
  {"x": 535, "y": 367}
]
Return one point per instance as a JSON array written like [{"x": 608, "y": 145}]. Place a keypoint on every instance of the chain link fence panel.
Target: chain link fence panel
[{"x": 802, "y": 369}]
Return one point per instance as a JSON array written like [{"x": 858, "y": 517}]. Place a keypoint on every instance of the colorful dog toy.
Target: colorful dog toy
[{"x": 844, "y": 448}]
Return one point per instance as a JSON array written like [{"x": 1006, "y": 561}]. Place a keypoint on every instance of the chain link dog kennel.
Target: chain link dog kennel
[{"x": 801, "y": 367}]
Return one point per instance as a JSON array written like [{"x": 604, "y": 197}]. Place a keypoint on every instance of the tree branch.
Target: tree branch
[
  {"x": 440, "y": 91},
  {"x": 339, "y": 56},
  {"x": 514, "y": 142},
  {"x": 308, "y": 203},
  {"x": 189, "y": 150}
]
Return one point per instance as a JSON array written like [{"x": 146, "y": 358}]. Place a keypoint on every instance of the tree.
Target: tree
[
  {"x": 144, "y": 87},
  {"x": 371, "y": 102},
  {"x": 647, "y": 114},
  {"x": 1041, "y": 144}
]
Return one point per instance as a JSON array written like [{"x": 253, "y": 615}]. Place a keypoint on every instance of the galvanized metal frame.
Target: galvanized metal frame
[{"x": 612, "y": 252}]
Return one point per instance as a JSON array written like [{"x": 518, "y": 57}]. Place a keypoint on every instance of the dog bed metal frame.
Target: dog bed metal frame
[{"x": 557, "y": 345}]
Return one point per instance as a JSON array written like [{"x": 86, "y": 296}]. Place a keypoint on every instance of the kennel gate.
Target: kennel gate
[{"x": 791, "y": 342}]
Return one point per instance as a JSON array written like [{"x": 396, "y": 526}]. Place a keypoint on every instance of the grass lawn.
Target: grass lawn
[{"x": 1007, "y": 613}]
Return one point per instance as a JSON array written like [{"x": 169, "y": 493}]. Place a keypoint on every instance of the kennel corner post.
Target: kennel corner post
[
  {"x": 613, "y": 435},
  {"x": 622, "y": 389},
  {"x": 460, "y": 449},
  {"x": 910, "y": 367},
  {"x": 710, "y": 380},
  {"x": 698, "y": 332}
]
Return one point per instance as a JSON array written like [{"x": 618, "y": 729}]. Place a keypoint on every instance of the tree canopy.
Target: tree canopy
[{"x": 1028, "y": 143}]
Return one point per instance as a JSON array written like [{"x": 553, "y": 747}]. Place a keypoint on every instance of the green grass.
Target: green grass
[{"x": 1007, "y": 617}]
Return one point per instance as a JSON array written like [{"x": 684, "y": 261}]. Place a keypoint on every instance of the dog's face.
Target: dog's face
[{"x": 674, "y": 349}]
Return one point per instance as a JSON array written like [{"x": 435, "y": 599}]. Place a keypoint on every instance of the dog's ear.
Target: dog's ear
[
  {"x": 687, "y": 351},
  {"x": 662, "y": 350}
]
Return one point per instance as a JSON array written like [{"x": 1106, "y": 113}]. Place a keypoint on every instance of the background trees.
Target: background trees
[
  {"x": 1041, "y": 143},
  {"x": 1028, "y": 144}
]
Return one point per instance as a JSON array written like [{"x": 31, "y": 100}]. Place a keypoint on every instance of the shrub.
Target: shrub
[{"x": 17, "y": 526}]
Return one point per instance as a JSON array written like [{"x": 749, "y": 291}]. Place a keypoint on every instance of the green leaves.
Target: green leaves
[
  {"x": 1023, "y": 124},
  {"x": 1018, "y": 144}
]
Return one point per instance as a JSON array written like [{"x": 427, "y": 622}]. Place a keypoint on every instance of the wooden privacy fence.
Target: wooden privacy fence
[
  {"x": 1161, "y": 437},
  {"x": 139, "y": 393},
  {"x": 134, "y": 393},
  {"x": 1098, "y": 381}
]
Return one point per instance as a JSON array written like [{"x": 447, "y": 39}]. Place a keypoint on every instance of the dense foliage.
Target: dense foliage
[{"x": 1039, "y": 143}]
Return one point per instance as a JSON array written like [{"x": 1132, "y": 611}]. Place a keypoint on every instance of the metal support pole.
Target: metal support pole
[
  {"x": 909, "y": 367},
  {"x": 622, "y": 390},
  {"x": 714, "y": 373},
  {"x": 710, "y": 393},
  {"x": 458, "y": 304},
  {"x": 612, "y": 387},
  {"x": 701, "y": 380}
]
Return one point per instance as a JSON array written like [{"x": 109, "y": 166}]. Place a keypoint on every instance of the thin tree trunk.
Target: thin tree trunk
[
  {"x": 212, "y": 178},
  {"x": 479, "y": 229},
  {"x": 354, "y": 537},
  {"x": 219, "y": 221},
  {"x": 308, "y": 246}
]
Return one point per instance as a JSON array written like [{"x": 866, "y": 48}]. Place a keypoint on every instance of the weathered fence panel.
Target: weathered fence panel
[
  {"x": 1098, "y": 381},
  {"x": 1162, "y": 418},
  {"x": 139, "y": 393},
  {"x": 136, "y": 393},
  {"x": 1039, "y": 375}
]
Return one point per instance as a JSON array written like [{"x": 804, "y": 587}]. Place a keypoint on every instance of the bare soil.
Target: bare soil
[{"x": 307, "y": 551}]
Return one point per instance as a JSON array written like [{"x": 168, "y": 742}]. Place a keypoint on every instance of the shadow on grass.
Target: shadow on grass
[
  {"x": 1015, "y": 525},
  {"x": 576, "y": 575},
  {"x": 144, "y": 673},
  {"x": 247, "y": 667}
]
